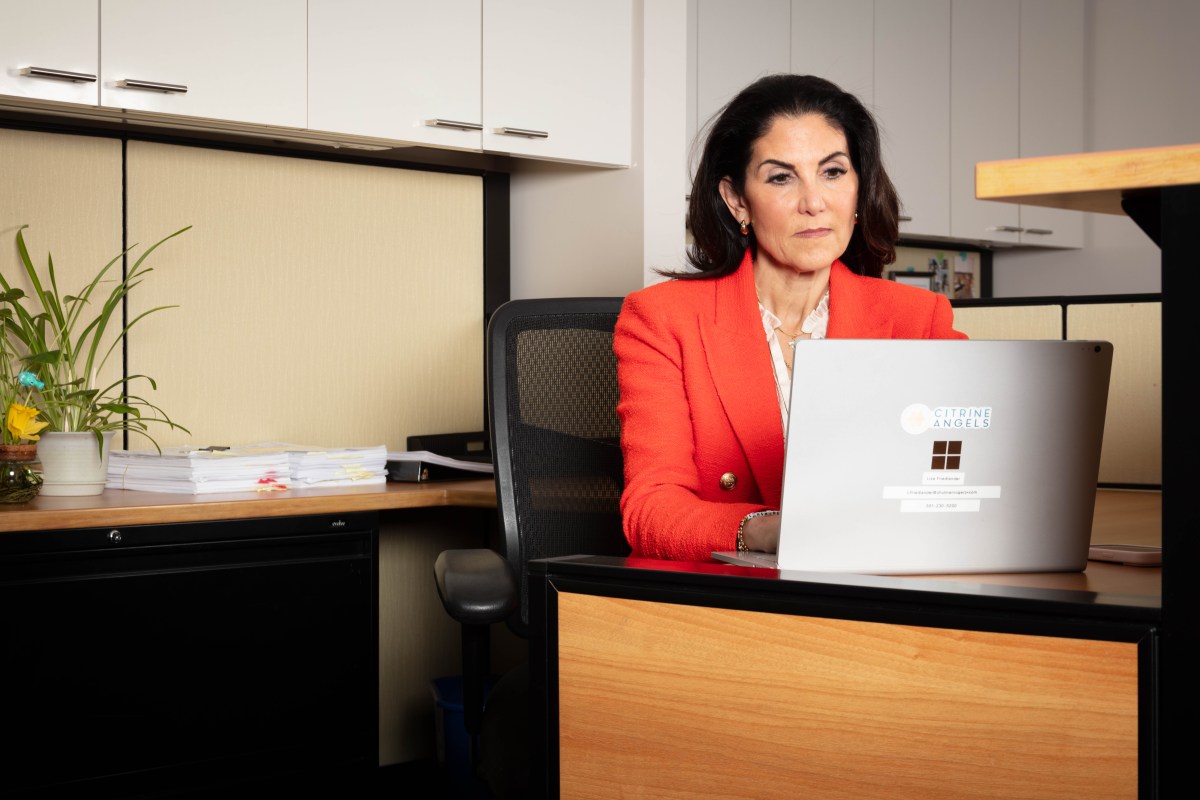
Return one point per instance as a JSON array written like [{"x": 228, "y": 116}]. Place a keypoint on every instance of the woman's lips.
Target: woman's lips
[{"x": 814, "y": 233}]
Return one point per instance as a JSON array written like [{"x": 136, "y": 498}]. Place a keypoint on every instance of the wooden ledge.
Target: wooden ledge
[{"x": 1087, "y": 181}]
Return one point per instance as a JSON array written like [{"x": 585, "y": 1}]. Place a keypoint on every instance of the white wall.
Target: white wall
[
  {"x": 580, "y": 231},
  {"x": 1143, "y": 90}
]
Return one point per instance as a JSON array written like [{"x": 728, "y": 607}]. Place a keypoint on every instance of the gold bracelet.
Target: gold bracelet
[{"x": 741, "y": 542}]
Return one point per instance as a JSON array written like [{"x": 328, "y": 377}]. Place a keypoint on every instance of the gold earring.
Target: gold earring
[{"x": 744, "y": 228}]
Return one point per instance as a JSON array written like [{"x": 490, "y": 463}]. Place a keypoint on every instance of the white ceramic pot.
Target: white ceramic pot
[{"x": 71, "y": 463}]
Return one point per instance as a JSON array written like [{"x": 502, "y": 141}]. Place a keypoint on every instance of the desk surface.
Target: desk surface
[
  {"x": 122, "y": 507},
  {"x": 1121, "y": 517},
  {"x": 1087, "y": 181}
]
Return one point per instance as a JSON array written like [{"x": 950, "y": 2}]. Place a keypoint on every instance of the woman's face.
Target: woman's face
[{"x": 801, "y": 192}]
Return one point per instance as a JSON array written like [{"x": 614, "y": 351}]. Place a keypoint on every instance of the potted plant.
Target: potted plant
[
  {"x": 60, "y": 339},
  {"x": 20, "y": 471}
]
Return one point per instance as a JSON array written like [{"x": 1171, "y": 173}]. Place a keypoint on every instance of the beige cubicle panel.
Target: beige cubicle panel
[
  {"x": 1132, "y": 451},
  {"x": 1010, "y": 322},
  {"x": 67, "y": 189},
  {"x": 319, "y": 302}
]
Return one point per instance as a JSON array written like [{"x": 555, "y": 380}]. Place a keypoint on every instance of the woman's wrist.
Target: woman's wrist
[{"x": 742, "y": 544}]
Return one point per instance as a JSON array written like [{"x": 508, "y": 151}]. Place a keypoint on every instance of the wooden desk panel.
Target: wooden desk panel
[{"x": 677, "y": 699}]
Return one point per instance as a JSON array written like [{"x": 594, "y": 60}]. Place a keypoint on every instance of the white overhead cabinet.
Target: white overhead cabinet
[
  {"x": 1017, "y": 92},
  {"x": 557, "y": 79},
  {"x": 49, "y": 50},
  {"x": 912, "y": 106},
  {"x": 984, "y": 123},
  {"x": 737, "y": 43},
  {"x": 1051, "y": 107},
  {"x": 408, "y": 71},
  {"x": 951, "y": 83},
  {"x": 221, "y": 59},
  {"x": 547, "y": 79},
  {"x": 833, "y": 39}
]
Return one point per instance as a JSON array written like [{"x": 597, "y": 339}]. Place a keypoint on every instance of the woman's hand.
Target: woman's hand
[{"x": 762, "y": 533}]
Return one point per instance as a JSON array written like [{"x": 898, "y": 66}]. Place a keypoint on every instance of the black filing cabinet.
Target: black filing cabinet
[{"x": 162, "y": 660}]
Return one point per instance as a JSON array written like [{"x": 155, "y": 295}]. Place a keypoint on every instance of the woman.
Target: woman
[{"x": 793, "y": 219}]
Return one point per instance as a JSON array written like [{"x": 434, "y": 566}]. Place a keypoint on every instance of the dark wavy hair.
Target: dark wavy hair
[{"x": 717, "y": 243}]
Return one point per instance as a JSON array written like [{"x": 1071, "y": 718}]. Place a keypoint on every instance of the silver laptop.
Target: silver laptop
[{"x": 925, "y": 457}]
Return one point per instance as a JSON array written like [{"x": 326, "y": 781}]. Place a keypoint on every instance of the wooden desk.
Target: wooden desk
[
  {"x": 120, "y": 507},
  {"x": 667, "y": 679},
  {"x": 1159, "y": 189}
]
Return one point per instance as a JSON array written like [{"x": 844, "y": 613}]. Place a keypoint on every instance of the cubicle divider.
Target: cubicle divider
[{"x": 1132, "y": 453}]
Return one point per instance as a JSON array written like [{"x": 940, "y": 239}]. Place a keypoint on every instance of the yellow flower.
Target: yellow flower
[{"x": 23, "y": 422}]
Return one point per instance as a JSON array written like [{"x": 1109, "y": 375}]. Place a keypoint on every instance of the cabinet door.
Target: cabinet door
[
  {"x": 557, "y": 79},
  {"x": 224, "y": 59},
  {"x": 48, "y": 50},
  {"x": 984, "y": 96},
  {"x": 912, "y": 101},
  {"x": 1051, "y": 106},
  {"x": 192, "y": 655},
  {"x": 407, "y": 70},
  {"x": 736, "y": 43},
  {"x": 835, "y": 40}
]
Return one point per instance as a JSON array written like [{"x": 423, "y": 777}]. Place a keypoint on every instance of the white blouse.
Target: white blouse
[{"x": 815, "y": 324}]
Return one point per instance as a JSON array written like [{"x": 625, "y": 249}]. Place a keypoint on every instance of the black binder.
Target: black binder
[
  {"x": 422, "y": 471},
  {"x": 459, "y": 446}
]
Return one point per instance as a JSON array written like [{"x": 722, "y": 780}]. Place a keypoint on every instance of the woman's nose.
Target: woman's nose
[{"x": 811, "y": 201}]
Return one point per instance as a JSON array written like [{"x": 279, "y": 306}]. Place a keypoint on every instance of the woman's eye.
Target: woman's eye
[
  {"x": 778, "y": 177},
  {"x": 835, "y": 172}
]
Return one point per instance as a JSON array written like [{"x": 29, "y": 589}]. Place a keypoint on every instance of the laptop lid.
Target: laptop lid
[{"x": 942, "y": 456}]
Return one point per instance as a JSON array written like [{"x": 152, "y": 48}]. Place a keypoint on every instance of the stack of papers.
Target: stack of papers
[
  {"x": 267, "y": 466},
  {"x": 190, "y": 470},
  {"x": 336, "y": 466}
]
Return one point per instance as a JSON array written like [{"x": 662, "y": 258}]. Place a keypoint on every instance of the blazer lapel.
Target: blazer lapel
[
  {"x": 853, "y": 312},
  {"x": 738, "y": 360}
]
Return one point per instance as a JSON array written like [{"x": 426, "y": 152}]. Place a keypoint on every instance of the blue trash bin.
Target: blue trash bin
[{"x": 453, "y": 743}]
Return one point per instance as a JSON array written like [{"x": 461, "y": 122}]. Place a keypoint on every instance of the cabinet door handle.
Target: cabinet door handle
[
  {"x": 1005, "y": 228},
  {"x": 1040, "y": 231},
  {"x": 152, "y": 86},
  {"x": 905, "y": 218},
  {"x": 449, "y": 123},
  {"x": 58, "y": 74},
  {"x": 523, "y": 132}
]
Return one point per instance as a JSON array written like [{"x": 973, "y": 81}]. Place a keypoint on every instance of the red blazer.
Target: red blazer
[{"x": 697, "y": 399}]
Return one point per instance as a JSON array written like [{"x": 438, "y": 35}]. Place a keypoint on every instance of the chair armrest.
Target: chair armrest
[{"x": 477, "y": 586}]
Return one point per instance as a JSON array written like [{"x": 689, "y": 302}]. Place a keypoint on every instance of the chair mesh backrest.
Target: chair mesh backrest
[{"x": 559, "y": 431}]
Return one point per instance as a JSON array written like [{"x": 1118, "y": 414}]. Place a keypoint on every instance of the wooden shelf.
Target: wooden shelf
[
  {"x": 120, "y": 507},
  {"x": 1087, "y": 181}
]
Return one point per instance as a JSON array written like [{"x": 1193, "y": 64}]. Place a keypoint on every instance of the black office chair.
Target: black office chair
[{"x": 552, "y": 395}]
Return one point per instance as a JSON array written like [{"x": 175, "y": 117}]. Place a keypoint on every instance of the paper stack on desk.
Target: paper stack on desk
[
  {"x": 265, "y": 466},
  {"x": 336, "y": 466},
  {"x": 192, "y": 470}
]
